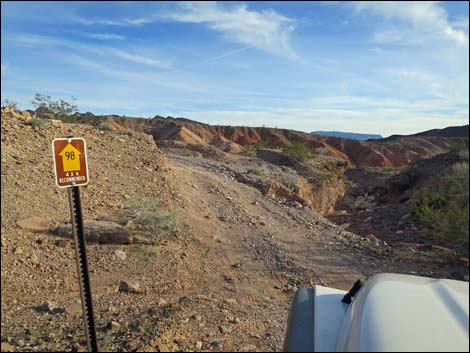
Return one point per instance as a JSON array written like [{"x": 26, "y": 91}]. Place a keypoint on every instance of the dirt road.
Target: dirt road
[{"x": 252, "y": 249}]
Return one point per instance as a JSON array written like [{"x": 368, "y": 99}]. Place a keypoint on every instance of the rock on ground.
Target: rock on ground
[
  {"x": 129, "y": 286},
  {"x": 100, "y": 232}
]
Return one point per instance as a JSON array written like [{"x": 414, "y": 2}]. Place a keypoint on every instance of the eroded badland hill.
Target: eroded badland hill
[{"x": 217, "y": 228}]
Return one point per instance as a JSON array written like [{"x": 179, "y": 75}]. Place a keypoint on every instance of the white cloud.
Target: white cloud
[
  {"x": 133, "y": 77},
  {"x": 266, "y": 29},
  {"x": 104, "y": 36},
  {"x": 125, "y": 22},
  {"x": 33, "y": 40},
  {"x": 453, "y": 89},
  {"x": 425, "y": 20},
  {"x": 138, "y": 58}
]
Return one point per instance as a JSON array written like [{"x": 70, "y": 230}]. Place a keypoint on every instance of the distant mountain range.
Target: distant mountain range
[
  {"x": 452, "y": 131},
  {"x": 348, "y": 135}
]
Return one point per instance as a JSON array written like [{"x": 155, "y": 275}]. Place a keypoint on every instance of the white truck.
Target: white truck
[{"x": 390, "y": 312}]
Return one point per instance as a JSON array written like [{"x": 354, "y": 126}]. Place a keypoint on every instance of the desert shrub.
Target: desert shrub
[
  {"x": 382, "y": 170},
  {"x": 128, "y": 132},
  {"x": 103, "y": 125},
  {"x": 60, "y": 107},
  {"x": 187, "y": 153},
  {"x": 335, "y": 174},
  {"x": 324, "y": 176},
  {"x": 342, "y": 176},
  {"x": 299, "y": 152},
  {"x": 8, "y": 103},
  {"x": 151, "y": 219},
  {"x": 258, "y": 172},
  {"x": 250, "y": 150},
  {"x": 141, "y": 252},
  {"x": 464, "y": 153},
  {"x": 36, "y": 122},
  {"x": 364, "y": 202},
  {"x": 459, "y": 147},
  {"x": 442, "y": 209}
]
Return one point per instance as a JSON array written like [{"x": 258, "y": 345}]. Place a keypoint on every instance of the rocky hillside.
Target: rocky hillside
[
  {"x": 402, "y": 185},
  {"x": 234, "y": 139},
  {"x": 451, "y": 131},
  {"x": 38, "y": 270},
  {"x": 392, "y": 197}
]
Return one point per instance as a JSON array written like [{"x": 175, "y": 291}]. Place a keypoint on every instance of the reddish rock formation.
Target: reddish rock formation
[{"x": 396, "y": 153}]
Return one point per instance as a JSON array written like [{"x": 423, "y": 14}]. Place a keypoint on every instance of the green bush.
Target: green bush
[
  {"x": 458, "y": 147},
  {"x": 103, "y": 126},
  {"x": 442, "y": 209},
  {"x": 8, "y": 103},
  {"x": 151, "y": 219},
  {"x": 60, "y": 107},
  {"x": 383, "y": 170},
  {"x": 141, "y": 252},
  {"x": 36, "y": 122},
  {"x": 128, "y": 132},
  {"x": 255, "y": 171},
  {"x": 250, "y": 150},
  {"x": 336, "y": 174},
  {"x": 299, "y": 152}
]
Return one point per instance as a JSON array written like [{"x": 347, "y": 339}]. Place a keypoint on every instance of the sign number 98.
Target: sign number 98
[{"x": 70, "y": 155}]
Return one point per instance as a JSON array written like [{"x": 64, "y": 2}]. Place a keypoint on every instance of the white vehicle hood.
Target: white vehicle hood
[{"x": 407, "y": 313}]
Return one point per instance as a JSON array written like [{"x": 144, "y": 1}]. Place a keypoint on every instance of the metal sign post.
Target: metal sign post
[
  {"x": 71, "y": 171},
  {"x": 82, "y": 268}
]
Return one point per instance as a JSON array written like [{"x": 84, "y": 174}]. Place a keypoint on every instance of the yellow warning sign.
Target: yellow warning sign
[{"x": 70, "y": 158}]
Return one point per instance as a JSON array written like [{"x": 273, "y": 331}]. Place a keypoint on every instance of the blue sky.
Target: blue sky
[{"x": 371, "y": 67}]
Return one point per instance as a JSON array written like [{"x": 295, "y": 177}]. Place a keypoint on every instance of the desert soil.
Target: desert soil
[{"x": 223, "y": 282}]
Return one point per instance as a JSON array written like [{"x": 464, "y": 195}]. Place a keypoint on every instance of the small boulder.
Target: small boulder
[
  {"x": 100, "y": 232},
  {"x": 113, "y": 326},
  {"x": 230, "y": 301},
  {"x": 129, "y": 286},
  {"x": 50, "y": 307},
  {"x": 345, "y": 225},
  {"x": 20, "y": 342},
  {"x": 121, "y": 255},
  {"x": 130, "y": 225},
  {"x": 161, "y": 301},
  {"x": 196, "y": 317},
  {"x": 224, "y": 329},
  {"x": 56, "y": 123}
]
